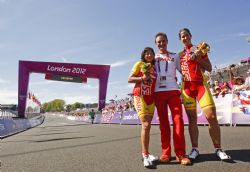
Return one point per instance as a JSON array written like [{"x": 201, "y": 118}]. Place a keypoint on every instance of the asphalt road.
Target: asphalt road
[{"x": 61, "y": 145}]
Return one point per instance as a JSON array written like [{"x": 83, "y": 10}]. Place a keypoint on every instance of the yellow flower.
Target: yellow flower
[{"x": 146, "y": 69}]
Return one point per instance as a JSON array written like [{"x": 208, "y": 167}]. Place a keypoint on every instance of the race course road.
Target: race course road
[{"x": 61, "y": 145}]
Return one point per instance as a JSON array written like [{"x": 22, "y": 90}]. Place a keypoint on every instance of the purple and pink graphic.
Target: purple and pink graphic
[
  {"x": 241, "y": 108},
  {"x": 244, "y": 99}
]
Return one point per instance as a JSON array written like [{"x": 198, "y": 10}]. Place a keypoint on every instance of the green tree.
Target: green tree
[{"x": 56, "y": 105}]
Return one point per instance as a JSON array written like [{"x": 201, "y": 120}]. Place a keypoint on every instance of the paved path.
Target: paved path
[{"x": 61, "y": 145}]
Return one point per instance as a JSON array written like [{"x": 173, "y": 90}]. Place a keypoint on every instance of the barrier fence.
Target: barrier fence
[
  {"x": 231, "y": 109},
  {"x": 7, "y": 114},
  {"x": 10, "y": 125}
]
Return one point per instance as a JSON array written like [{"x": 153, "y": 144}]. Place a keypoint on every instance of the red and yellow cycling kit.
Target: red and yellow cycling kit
[
  {"x": 143, "y": 92},
  {"x": 194, "y": 84}
]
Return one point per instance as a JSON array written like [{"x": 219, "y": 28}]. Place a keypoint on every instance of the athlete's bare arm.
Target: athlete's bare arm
[
  {"x": 137, "y": 79},
  {"x": 204, "y": 63}
]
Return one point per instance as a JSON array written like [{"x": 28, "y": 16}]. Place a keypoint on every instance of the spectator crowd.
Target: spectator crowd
[
  {"x": 217, "y": 88},
  {"x": 239, "y": 83}
]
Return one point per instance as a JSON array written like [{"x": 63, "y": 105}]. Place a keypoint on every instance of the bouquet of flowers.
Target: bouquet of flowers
[
  {"x": 202, "y": 48},
  {"x": 147, "y": 70}
]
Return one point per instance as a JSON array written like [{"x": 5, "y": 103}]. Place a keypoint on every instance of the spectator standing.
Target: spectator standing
[
  {"x": 92, "y": 115},
  {"x": 217, "y": 89},
  {"x": 247, "y": 81},
  {"x": 225, "y": 89},
  {"x": 238, "y": 84}
]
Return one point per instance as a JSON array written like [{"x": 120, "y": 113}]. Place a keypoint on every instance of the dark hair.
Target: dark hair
[
  {"x": 185, "y": 30},
  {"x": 161, "y": 34},
  {"x": 144, "y": 52}
]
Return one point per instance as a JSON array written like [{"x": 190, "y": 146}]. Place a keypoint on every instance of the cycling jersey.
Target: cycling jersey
[
  {"x": 143, "y": 92},
  {"x": 194, "y": 85},
  {"x": 190, "y": 69}
]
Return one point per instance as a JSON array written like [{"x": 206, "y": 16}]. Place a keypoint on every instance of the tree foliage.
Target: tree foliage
[{"x": 58, "y": 105}]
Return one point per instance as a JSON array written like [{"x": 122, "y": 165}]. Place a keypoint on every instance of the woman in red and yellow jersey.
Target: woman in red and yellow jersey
[
  {"x": 194, "y": 87},
  {"x": 143, "y": 75}
]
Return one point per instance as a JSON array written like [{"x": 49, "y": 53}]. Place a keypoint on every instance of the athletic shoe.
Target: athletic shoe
[
  {"x": 222, "y": 155},
  {"x": 183, "y": 160},
  {"x": 165, "y": 158},
  {"x": 153, "y": 158},
  {"x": 147, "y": 162},
  {"x": 193, "y": 154}
]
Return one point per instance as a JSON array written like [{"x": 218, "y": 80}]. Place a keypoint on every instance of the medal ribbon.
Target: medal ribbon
[{"x": 166, "y": 65}]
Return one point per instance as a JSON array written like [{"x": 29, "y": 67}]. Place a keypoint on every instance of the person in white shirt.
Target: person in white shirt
[
  {"x": 167, "y": 94},
  {"x": 247, "y": 81}
]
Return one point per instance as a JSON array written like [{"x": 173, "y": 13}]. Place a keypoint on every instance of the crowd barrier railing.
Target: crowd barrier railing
[
  {"x": 231, "y": 110},
  {"x": 10, "y": 125}
]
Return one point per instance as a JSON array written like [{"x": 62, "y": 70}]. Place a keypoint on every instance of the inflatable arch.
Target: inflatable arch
[{"x": 100, "y": 72}]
